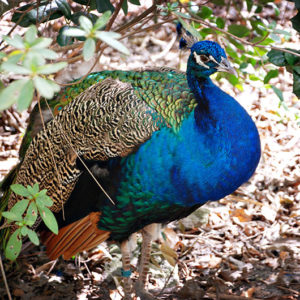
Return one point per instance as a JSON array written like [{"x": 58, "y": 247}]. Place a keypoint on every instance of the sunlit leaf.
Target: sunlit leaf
[
  {"x": 45, "y": 87},
  {"x": 101, "y": 22},
  {"x": 51, "y": 68},
  {"x": 109, "y": 38},
  {"x": 85, "y": 24},
  {"x": 89, "y": 48},
  {"x": 26, "y": 96}
]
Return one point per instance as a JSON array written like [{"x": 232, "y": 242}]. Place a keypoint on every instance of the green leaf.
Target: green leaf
[
  {"x": 271, "y": 74},
  {"x": 41, "y": 43},
  {"x": 109, "y": 38},
  {"x": 16, "y": 41},
  {"x": 49, "y": 219},
  {"x": 278, "y": 92},
  {"x": 296, "y": 22},
  {"x": 19, "y": 189},
  {"x": 101, "y": 22},
  {"x": 26, "y": 96},
  {"x": 20, "y": 207},
  {"x": 85, "y": 24},
  {"x": 291, "y": 58},
  {"x": 135, "y": 2},
  {"x": 74, "y": 32},
  {"x": 30, "y": 35},
  {"x": 238, "y": 30},
  {"x": 24, "y": 230},
  {"x": 64, "y": 7},
  {"x": 205, "y": 13},
  {"x": 277, "y": 58},
  {"x": 125, "y": 7},
  {"x": 296, "y": 84},
  {"x": 220, "y": 22},
  {"x": 48, "y": 54},
  {"x": 51, "y": 68},
  {"x": 89, "y": 48},
  {"x": 14, "y": 245},
  {"x": 17, "y": 69},
  {"x": 31, "y": 214},
  {"x": 33, "y": 237},
  {"x": 47, "y": 88},
  {"x": 35, "y": 188},
  {"x": 63, "y": 39},
  {"x": 45, "y": 200},
  {"x": 12, "y": 216},
  {"x": 104, "y": 5}
]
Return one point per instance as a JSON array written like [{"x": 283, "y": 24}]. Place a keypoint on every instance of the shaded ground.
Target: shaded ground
[{"x": 245, "y": 246}]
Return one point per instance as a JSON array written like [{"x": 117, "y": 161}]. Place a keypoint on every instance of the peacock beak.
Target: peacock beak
[{"x": 225, "y": 66}]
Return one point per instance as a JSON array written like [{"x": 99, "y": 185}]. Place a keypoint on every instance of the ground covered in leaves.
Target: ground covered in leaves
[{"x": 246, "y": 246}]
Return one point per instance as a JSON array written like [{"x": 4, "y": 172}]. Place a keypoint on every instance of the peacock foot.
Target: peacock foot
[{"x": 141, "y": 292}]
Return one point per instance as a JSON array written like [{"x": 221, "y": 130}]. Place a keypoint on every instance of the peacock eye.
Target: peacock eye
[{"x": 204, "y": 58}]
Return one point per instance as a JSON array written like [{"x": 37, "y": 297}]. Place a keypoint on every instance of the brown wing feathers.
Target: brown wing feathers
[{"x": 79, "y": 236}]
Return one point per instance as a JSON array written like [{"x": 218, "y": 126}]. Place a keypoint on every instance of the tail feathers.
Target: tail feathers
[{"x": 79, "y": 236}]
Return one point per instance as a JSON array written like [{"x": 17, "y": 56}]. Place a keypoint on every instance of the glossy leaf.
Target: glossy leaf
[
  {"x": 104, "y": 5},
  {"x": 64, "y": 7},
  {"x": 63, "y": 39},
  {"x": 271, "y": 74},
  {"x": 291, "y": 58},
  {"x": 296, "y": 22},
  {"x": 296, "y": 84},
  {"x": 14, "y": 245},
  {"x": 277, "y": 58}
]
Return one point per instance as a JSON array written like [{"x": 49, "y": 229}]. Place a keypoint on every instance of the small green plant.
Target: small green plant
[
  {"x": 91, "y": 32},
  {"x": 24, "y": 214}
]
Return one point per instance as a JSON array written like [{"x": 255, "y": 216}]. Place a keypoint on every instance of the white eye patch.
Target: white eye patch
[{"x": 199, "y": 61}]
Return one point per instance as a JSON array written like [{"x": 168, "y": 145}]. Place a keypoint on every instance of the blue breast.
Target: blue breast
[{"x": 212, "y": 154}]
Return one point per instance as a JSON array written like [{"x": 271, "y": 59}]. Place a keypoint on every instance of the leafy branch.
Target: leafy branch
[{"x": 24, "y": 214}]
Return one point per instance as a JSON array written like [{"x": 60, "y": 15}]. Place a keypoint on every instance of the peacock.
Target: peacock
[{"x": 129, "y": 149}]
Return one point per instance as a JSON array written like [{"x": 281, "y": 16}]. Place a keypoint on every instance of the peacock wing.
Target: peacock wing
[{"x": 106, "y": 120}]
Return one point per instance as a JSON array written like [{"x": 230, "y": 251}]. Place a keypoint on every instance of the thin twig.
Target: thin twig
[
  {"x": 4, "y": 279},
  {"x": 240, "y": 39}
]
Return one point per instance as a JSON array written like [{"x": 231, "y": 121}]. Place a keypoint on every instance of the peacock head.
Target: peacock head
[{"x": 206, "y": 57}]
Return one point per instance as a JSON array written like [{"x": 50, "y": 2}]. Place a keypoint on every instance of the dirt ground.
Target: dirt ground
[{"x": 246, "y": 246}]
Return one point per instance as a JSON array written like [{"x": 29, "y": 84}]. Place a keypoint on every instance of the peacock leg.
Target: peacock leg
[
  {"x": 126, "y": 271},
  {"x": 148, "y": 233}
]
